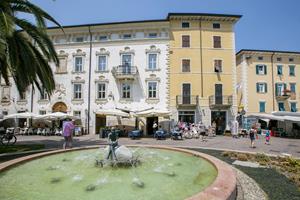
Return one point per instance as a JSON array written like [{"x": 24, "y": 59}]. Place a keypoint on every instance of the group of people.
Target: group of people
[
  {"x": 253, "y": 135},
  {"x": 192, "y": 130}
]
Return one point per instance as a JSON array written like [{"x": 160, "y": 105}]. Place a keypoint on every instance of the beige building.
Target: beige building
[
  {"x": 203, "y": 68},
  {"x": 268, "y": 81}
]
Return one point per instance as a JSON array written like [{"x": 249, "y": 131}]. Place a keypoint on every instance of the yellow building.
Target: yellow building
[
  {"x": 202, "y": 68},
  {"x": 269, "y": 80}
]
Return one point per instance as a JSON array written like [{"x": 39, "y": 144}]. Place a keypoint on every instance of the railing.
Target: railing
[
  {"x": 124, "y": 71},
  {"x": 187, "y": 100},
  {"x": 225, "y": 100}
]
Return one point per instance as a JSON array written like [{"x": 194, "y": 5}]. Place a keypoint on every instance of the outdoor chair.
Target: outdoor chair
[
  {"x": 39, "y": 131},
  {"x": 160, "y": 134},
  {"x": 58, "y": 132},
  {"x": 135, "y": 134},
  {"x": 176, "y": 134},
  {"x": 17, "y": 131},
  {"x": 23, "y": 131},
  {"x": 30, "y": 131}
]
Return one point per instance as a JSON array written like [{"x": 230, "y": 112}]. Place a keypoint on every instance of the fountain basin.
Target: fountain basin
[{"x": 220, "y": 186}]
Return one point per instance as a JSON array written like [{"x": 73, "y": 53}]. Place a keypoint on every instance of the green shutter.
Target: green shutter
[
  {"x": 265, "y": 69},
  {"x": 284, "y": 86},
  {"x": 256, "y": 69},
  {"x": 257, "y": 87},
  {"x": 276, "y": 90},
  {"x": 266, "y": 87}
]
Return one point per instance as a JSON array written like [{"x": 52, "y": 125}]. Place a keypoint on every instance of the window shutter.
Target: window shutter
[
  {"x": 276, "y": 89},
  {"x": 266, "y": 87},
  {"x": 265, "y": 68},
  {"x": 256, "y": 69},
  {"x": 257, "y": 89},
  {"x": 284, "y": 86}
]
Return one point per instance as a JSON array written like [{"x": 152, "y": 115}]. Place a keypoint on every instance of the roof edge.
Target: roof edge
[
  {"x": 267, "y": 51},
  {"x": 203, "y": 14},
  {"x": 109, "y": 23}
]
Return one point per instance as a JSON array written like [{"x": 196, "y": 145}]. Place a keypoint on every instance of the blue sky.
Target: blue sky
[{"x": 266, "y": 24}]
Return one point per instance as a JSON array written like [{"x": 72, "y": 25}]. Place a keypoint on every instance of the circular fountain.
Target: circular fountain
[{"x": 162, "y": 173}]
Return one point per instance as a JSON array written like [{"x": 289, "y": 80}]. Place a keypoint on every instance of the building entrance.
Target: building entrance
[
  {"x": 150, "y": 122},
  {"x": 219, "y": 117},
  {"x": 100, "y": 122}
]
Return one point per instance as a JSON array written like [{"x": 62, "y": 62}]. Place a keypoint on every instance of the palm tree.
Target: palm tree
[{"x": 25, "y": 48}]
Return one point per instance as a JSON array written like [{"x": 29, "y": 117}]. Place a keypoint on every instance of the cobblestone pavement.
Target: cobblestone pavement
[
  {"x": 277, "y": 147},
  {"x": 247, "y": 188}
]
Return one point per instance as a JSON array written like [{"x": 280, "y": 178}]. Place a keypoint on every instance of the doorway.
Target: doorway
[
  {"x": 150, "y": 121},
  {"x": 100, "y": 122},
  {"x": 219, "y": 117}
]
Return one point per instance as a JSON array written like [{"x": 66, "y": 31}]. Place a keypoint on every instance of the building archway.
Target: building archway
[{"x": 60, "y": 107}]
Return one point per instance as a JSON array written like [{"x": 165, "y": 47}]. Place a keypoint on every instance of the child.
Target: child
[{"x": 267, "y": 137}]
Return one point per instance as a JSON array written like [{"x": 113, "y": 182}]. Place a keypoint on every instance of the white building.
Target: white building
[{"x": 113, "y": 66}]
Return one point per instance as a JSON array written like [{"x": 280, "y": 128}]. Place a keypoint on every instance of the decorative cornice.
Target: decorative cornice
[
  {"x": 153, "y": 49},
  {"x": 102, "y": 52},
  {"x": 127, "y": 50},
  {"x": 79, "y": 52}
]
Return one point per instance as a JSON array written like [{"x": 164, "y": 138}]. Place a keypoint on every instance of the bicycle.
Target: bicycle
[{"x": 8, "y": 138}]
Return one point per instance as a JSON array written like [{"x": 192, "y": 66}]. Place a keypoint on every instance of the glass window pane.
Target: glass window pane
[
  {"x": 102, "y": 63},
  {"x": 152, "y": 61}
]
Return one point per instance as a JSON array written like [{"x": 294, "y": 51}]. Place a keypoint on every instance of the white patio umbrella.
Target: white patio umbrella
[
  {"x": 266, "y": 116},
  {"x": 23, "y": 115},
  {"x": 57, "y": 116},
  {"x": 153, "y": 112},
  {"x": 112, "y": 112}
]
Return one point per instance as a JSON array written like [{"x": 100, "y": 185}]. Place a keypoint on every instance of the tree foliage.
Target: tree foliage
[{"x": 25, "y": 47}]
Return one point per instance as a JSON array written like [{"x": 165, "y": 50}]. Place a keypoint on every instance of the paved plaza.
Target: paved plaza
[{"x": 278, "y": 145}]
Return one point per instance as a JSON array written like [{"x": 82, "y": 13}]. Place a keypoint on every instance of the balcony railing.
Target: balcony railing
[
  {"x": 187, "y": 100},
  {"x": 284, "y": 95},
  {"x": 220, "y": 101},
  {"x": 124, "y": 72}
]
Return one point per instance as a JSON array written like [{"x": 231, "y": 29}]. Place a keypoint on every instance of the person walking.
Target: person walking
[
  {"x": 252, "y": 135},
  {"x": 268, "y": 137},
  {"x": 68, "y": 128}
]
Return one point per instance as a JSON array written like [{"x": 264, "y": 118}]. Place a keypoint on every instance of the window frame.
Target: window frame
[
  {"x": 264, "y": 87},
  {"x": 44, "y": 95},
  {"x": 264, "y": 106},
  {"x": 152, "y": 91},
  {"x": 102, "y": 92},
  {"x": 221, "y": 67},
  {"x": 149, "y": 61},
  {"x": 127, "y": 91},
  {"x": 294, "y": 72},
  {"x": 281, "y": 103},
  {"x": 294, "y": 84},
  {"x": 98, "y": 63},
  {"x": 295, "y": 104},
  {"x": 75, "y": 65},
  {"x": 75, "y": 113},
  {"x": 79, "y": 92},
  {"x": 182, "y": 66},
  {"x": 280, "y": 67},
  {"x": 216, "y": 23},
  {"x": 182, "y": 41},
  {"x": 215, "y": 42},
  {"x": 185, "y": 22},
  {"x": 264, "y": 69}
]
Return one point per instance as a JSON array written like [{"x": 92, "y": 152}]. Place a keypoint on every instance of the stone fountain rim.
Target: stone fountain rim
[{"x": 223, "y": 187}]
